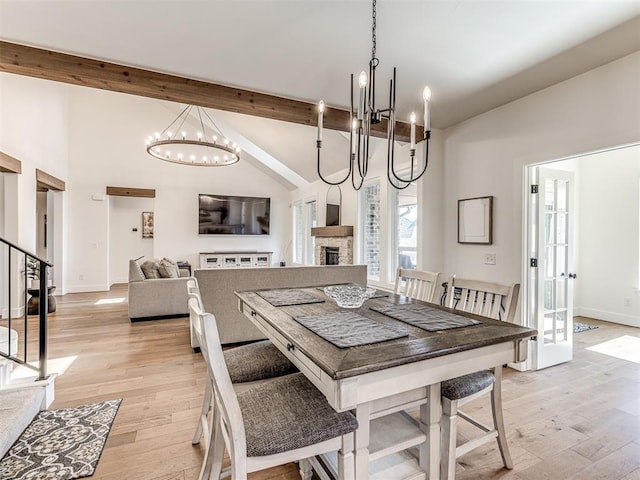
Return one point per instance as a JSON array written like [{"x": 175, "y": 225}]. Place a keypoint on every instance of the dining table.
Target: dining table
[{"x": 380, "y": 361}]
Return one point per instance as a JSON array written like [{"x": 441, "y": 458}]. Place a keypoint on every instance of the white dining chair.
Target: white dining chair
[
  {"x": 499, "y": 302},
  {"x": 277, "y": 422},
  {"x": 418, "y": 284},
  {"x": 247, "y": 365}
]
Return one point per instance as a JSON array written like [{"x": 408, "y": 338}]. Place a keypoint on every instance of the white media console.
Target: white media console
[{"x": 235, "y": 259}]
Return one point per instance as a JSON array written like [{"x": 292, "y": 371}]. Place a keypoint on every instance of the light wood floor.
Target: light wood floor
[{"x": 578, "y": 420}]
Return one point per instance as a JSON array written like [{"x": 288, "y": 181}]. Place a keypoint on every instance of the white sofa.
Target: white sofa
[
  {"x": 217, "y": 287},
  {"x": 157, "y": 297}
]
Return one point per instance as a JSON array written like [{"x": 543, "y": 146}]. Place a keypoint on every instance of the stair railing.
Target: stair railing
[{"x": 42, "y": 309}]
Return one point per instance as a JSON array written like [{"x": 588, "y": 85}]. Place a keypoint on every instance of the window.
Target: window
[
  {"x": 312, "y": 221},
  {"x": 370, "y": 220},
  {"x": 403, "y": 206},
  {"x": 304, "y": 218},
  {"x": 298, "y": 233}
]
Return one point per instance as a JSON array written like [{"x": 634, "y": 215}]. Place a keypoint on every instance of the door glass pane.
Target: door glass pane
[
  {"x": 562, "y": 228},
  {"x": 549, "y": 263},
  {"x": 561, "y": 326},
  {"x": 548, "y": 327},
  {"x": 548, "y": 295},
  {"x": 561, "y": 261},
  {"x": 550, "y": 195},
  {"x": 550, "y": 230},
  {"x": 561, "y": 294},
  {"x": 562, "y": 195}
]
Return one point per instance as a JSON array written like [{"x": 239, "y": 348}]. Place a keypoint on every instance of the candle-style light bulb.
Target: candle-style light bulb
[
  {"x": 169, "y": 135},
  {"x": 413, "y": 131},
  {"x": 199, "y": 136},
  {"x": 362, "y": 81},
  {"x": 184, "y": 135},
  {"x": 426, "y": 95},
  {"x": 354, "y": 134},
  {"x": 320, "y": 117}
]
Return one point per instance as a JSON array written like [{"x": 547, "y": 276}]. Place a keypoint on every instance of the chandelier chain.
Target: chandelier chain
[{"x": 373, "y": 32}]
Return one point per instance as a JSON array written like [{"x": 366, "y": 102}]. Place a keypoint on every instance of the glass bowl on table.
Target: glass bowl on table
[{"x": 349, "y": 296}]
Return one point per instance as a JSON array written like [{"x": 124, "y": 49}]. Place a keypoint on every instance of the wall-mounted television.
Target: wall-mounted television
[{"x": 233, "y": 215}]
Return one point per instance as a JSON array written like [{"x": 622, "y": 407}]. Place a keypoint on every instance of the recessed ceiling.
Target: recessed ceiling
[{"x": 475, "y": 55}]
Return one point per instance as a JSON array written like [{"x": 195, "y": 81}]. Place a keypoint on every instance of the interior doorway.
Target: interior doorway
[{"x": 605, "y": 264}]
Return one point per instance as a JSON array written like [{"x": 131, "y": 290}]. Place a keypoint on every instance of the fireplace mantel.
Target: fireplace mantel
[{"x": 334, "y": 231}]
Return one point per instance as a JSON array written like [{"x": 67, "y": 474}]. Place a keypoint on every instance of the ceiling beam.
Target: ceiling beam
[
  {"x": 131, "y": 192},
  {"x": 62, "y": 67}
]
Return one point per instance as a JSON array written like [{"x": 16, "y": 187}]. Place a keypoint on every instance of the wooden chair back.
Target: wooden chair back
[
  {"x": 227, "y": 414},
  {"x": 493, "y": 300},
  {"x": 418, "y": 284}
]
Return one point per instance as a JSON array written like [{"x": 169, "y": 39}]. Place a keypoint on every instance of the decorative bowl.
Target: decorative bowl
[{"x": 349, "y": 296}]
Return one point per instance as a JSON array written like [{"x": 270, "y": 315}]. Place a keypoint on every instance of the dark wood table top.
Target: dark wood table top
[{"x": 419, "y": 345}]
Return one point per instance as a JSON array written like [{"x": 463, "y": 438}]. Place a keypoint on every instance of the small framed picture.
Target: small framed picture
[
  {"x": 147, "y": 224},
  {"x": 475, "y": 220}
]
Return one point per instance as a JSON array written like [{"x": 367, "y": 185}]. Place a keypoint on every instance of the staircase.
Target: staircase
[{"x": 25, "y": 386}]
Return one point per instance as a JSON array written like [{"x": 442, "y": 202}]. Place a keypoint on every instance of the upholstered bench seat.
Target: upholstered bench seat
[
  {"x": 467, "y": 385},
  {"x": 257, "y": 361},
  {"x": 289, "y": 413}
]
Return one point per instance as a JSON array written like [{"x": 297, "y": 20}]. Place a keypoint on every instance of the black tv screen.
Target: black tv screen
[{"x": 233, "y": 215}]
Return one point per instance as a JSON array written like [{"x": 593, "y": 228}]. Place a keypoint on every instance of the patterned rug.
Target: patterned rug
[
  {"x": 61, "y": 444},
  {"x": 581, "y": 327}
]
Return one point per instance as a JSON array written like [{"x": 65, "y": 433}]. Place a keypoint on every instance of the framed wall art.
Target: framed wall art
[
  {"x": 147, "y": 224},
  {"x": 475, "y": 220}
]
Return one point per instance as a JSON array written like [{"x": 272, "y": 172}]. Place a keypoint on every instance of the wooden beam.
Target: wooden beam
[
  {"x": 131, "y": 192},
  {"x": 333, "y": 231},
  {"x": 61, "y": 67},
  {"x": 9, "y": 164},
  {"x": 45, "y": 182}
]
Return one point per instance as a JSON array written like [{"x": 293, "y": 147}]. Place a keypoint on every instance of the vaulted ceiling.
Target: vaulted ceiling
[{"x": 475, "y": 55}]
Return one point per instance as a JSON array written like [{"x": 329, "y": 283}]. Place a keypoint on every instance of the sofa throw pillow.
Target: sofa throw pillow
[
  {"x": 150, "y": 268},
  {"x": 168, "y": 268}
]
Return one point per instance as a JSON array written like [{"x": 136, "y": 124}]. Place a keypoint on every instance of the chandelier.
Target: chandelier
[
  {"x": 364, "y": 115},
  {"x": 205, "y": 147}
]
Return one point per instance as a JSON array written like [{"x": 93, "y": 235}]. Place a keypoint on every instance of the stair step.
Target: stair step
[{"x": 18, "y": 407}]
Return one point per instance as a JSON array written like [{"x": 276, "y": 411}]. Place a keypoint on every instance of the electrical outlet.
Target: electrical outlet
[
  {"x": 627, "y": 302},
  {"x": 489, "y": 258}
]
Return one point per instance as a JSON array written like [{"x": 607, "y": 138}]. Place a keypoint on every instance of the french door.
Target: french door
[{"x": 552, "y": 278}]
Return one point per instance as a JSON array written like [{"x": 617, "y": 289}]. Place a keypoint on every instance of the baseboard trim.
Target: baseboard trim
[
  {"x": 87, "y": 288},
  {"x": 614, "y": 317}
]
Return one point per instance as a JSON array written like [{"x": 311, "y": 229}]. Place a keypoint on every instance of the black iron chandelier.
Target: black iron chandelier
[{"x": 364, "y": 115}]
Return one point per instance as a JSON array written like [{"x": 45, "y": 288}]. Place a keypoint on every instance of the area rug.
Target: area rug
[
  {"x": 581, "y": 327},
  {"x": 61, "y": 444}
]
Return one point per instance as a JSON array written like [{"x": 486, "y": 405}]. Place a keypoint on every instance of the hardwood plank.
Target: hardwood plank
[{"x": 76, "y": 70}]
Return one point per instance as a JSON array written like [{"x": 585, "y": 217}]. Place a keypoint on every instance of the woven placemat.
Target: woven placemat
[
  {"x": 427, "y": 318},
  {"x": 348, "y": 329},
  {"x": 282, "y": 297}
]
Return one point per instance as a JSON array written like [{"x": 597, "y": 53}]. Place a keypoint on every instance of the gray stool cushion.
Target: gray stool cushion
[
  {"x": 256, "y": 361},
  {"x": 466, "y": 385},
  {"x": 289, "y": 413}
]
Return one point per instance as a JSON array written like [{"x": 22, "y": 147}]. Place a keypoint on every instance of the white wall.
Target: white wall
[
  {"x": 486, "y": 155},
  {"x": 107, "y": 148},
  {"x": 125, "y": 215},
  {"x": 609, "y": 241},
  {"x": 33, "y": 129}
]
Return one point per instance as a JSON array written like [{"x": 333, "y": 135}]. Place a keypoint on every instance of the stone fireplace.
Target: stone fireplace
[{"x": 334, "y": 245}]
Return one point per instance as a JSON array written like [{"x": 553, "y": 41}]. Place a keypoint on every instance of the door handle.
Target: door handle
[{"x": 573, "y": 275}]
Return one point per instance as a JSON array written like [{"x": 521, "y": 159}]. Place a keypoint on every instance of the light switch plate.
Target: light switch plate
[{"x": 489, "y": 258}]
